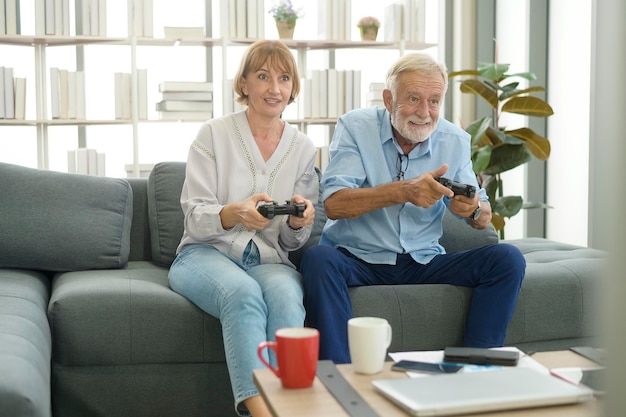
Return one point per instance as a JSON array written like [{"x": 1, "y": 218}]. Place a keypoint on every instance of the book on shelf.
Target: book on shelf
[
  {"x": 20, "y": 98},
  {"x": 142, "y": 93},
  {"x": 334, "y": 20},
  {"x": 241, "y": 8},
  {"x": 67, "y": 94},
  {"x": 12, "y": 17},
  {"x": 181, "y": 105},
  {"x": 81, "y": 16},
  {"x": 323, "y": 94},
  {"x": 356, "y": 101},
  {"x": 183, "y": 32},
  {"x": 81, "y": 109},
  {"x": 392, "y": 23},
  {"x": 143, "y": 18},
  {"x": 86, "y": 161},
  {"x": 64, "y": 93},
  {"x": 55, "y": 98},
  {"x": 167, "y": 86},
  {"x": 244, "y": 19},
  {"x": 186, "y": 115},
  {"x": 188, "y": 95},
  {"x": 9, "y": 93},
  {"x": 3, "y": 28},
  {"x": 2, "y": 104},
  {"x": 374, "y": 97},
  {"x": 71, "y": 95},
  {"x": 122, "y": 82},
  {"x": 89, "y": 17},
  {"x": 413, "y": 20}
]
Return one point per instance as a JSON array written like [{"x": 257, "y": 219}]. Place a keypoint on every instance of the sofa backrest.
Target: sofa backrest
[
  {"x": 166, "y": 219},
  {"x": 55, "y": 221}
]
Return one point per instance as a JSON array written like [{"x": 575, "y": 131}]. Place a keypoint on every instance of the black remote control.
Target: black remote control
[
  {"x": 275, "y": 209},
  {"x": 458, "y": 188}
]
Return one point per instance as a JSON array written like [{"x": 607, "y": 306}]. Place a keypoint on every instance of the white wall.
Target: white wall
[
  {"x": 568, "y": 130},
  {"x": 512, "y": 47}
]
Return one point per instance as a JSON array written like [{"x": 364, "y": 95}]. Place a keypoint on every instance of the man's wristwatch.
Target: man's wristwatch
[{"x": 476, "y": 214}]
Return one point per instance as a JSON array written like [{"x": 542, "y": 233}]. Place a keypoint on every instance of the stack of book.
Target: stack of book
[
  {"x": 331, "y": 93},
  {"x": 90, "y": 16},
  {"x": 124, "y": 98},
  {"x": 185, "y": 100},
  {"x": 67, "y": 94},
  {"x": 405, "y": 20},
  {"x": 334, "y": 20},
  {"x": 12, "y": 95},
  {"x": 245, "y": 18},
  {"x": 86, "y": 161},
  {"x": 142, "y": 18},
  {"x": 374, "y": 96}
]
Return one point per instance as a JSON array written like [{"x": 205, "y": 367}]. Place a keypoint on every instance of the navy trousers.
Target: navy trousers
[{"x": 495, "y": 273}]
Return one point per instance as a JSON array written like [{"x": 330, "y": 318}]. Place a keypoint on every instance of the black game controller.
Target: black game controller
[
  {"x": 275, "y": 209},
  {"x": 458, "y": 188}
]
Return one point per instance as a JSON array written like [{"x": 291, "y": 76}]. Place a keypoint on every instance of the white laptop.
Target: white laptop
[{"x": 476, "y": 392}]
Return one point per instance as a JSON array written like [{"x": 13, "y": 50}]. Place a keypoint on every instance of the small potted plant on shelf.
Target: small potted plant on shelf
[
  {"x": 368, "y": 26},
  {"x": 285, "y": 16}
]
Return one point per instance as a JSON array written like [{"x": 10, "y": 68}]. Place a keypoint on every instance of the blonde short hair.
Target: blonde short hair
[{"x": 278, "y": 54}]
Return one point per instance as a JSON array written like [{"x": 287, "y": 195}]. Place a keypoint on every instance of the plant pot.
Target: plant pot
[
  {"x": 285, "y": 31},
  {"x": 369, "y": 34}
]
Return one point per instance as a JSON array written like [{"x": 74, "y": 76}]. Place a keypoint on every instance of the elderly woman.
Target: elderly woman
[{"x": 232, "y": 261}]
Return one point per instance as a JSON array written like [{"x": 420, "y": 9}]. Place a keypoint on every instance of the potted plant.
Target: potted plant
[
  {"x": 368, "y": 26},
  {"x": 495, "y": 148},
  {"x": 285, "y": 16}
]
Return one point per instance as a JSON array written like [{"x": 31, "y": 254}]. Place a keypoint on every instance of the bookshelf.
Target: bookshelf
[{"x": 207, "y": 49}]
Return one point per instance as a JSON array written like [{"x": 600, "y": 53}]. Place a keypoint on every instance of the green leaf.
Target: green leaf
[
  {"x": 514, "y": 93},
  {"x": 480, "y": 159},
  {"x": 509, "y": 88},
  {"x": 463, "y": 72},
  {"x": 526, "y": 75},
  {"x": 536, "y": 144},
  {"x": 528, "y": 106},
  {"x": 511, "y": 139},
  {"x": 509, "y": 206},
  {"x": 498, "y": 222},
  {"x": 506, "y": 157},
  {"x": 480, "y": 89},
  {"x": 492, "y": 70},
  {"x": 496, "y": 137},
  {"x": 477, "y": 129}
]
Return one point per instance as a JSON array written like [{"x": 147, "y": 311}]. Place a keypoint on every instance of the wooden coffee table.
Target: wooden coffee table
[{"x": 317, "y": 401}]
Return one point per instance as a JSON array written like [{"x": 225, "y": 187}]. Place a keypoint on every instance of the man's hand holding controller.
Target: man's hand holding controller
[{"x": 457, "y": 187}]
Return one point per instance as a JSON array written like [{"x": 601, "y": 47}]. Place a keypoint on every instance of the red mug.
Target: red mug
[{"x": 297, "y": 350}]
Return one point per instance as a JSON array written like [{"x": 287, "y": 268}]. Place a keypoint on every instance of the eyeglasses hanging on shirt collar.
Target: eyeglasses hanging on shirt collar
[{"x": 402, "y": 164}]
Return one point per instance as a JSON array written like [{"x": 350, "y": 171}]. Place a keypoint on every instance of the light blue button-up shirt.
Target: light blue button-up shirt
[{"x": 364, "y": 153}]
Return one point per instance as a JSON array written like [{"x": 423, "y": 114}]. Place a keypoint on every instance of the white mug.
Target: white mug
[{"x": 368, "y": 338}]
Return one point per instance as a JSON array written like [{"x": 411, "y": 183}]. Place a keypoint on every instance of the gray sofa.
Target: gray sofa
[{"x": 89, "y": 326}]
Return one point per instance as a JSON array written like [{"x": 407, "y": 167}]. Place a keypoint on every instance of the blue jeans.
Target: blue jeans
[
  {"x": 495, "y": 273},
  {"x": 251, "y": 300}
]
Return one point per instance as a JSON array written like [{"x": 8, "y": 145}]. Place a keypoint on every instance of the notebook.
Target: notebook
[{"x": 475, "y": 392}]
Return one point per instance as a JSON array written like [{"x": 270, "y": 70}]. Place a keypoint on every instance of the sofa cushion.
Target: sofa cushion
[
  {"x": 63, "y": 222},
  {"x": 25, "y": 344},
  {"x": 457, "y": 235},
  {"x": 128, "y": 316},
  {"x": 166, "y": 217}
]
